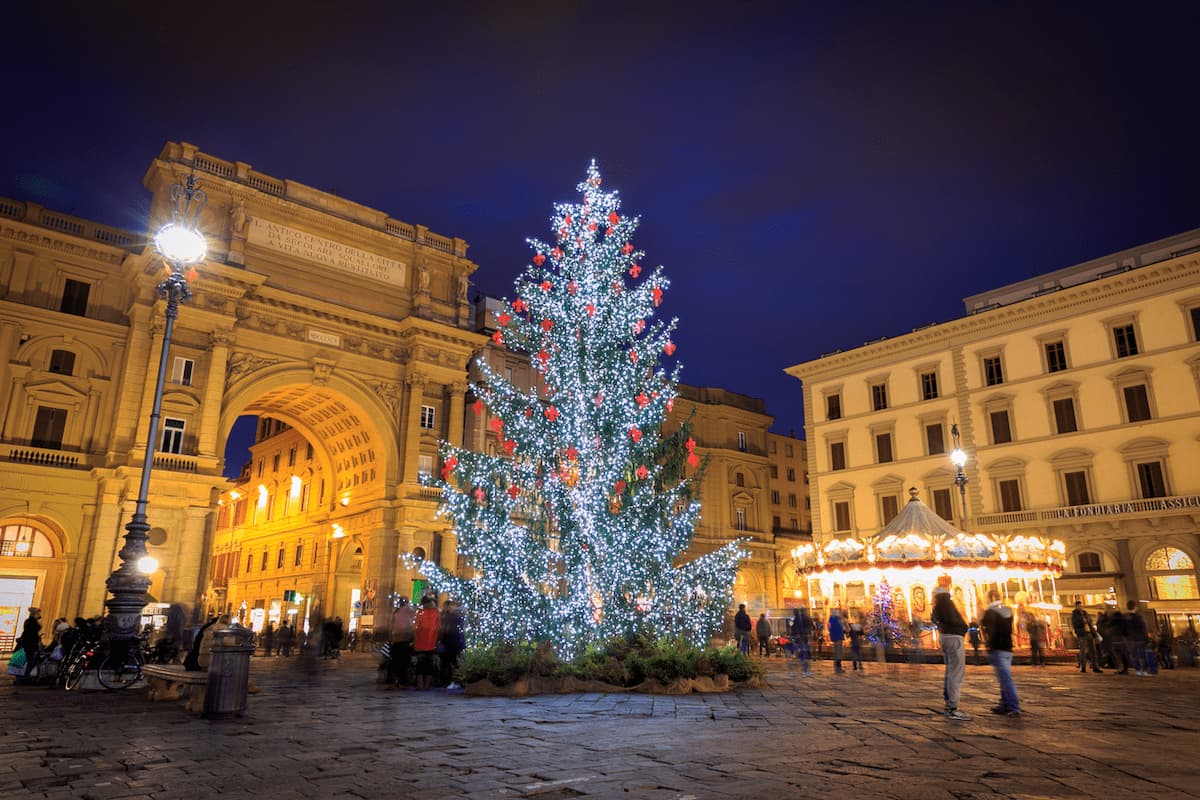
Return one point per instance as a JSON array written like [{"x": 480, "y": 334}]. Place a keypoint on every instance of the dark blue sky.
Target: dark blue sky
[{"x": 812, "y": 175}]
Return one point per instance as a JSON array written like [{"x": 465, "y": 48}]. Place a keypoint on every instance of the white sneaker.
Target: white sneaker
[{"x": 961, "y": 716}]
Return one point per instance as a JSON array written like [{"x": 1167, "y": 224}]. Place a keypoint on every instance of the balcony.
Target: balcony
[
  {"x": 44, "y": 457},
  {"x": 1119, "y": 510},
  {"x": 172, "y": 462}
]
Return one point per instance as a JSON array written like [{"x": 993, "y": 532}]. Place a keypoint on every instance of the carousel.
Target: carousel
[{"x": 915, "y": 549}]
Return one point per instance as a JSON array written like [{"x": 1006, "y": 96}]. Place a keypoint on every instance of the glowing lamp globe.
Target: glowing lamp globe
[
  {"x": 958, "y": 457},
  {"x": 180, "y": 244},
  {"x": 147, "y": 565}
]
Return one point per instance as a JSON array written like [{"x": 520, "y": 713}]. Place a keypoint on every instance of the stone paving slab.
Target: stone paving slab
[{"x": 333, "y": 732}]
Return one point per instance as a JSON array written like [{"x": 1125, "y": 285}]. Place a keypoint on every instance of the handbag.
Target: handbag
[{"x": 16, "y": 663}]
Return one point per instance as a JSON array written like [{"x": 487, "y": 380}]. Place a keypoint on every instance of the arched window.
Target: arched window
[
  {"x": 24, "y": 541},
  {"x": 1172, "y": 575}
]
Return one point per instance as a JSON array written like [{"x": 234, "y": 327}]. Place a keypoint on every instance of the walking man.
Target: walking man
[
  {"x": 742, "y": 628},
  {"x": 997, "y": 626},
  {"x": 837, "y": 635},
  {"x": 951, "y": 629},
  {"x": 802, "y": 632},
  {"x": 1085, "y": 638}
]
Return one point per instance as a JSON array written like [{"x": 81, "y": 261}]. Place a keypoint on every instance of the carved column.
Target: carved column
[
  {"x": 157, "y": 325},
  {"x": 214, "y": 390},
  {"x": 454, "y": 427},
  {"x": 447, "y": 556},
  {"x": 8, "y": 349},
  {"x": 412, "y": 428}
]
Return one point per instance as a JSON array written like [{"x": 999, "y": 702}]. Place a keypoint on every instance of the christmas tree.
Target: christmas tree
[
  {"x": 882, "y": 626},
  {"x": 574, "y": 532}
]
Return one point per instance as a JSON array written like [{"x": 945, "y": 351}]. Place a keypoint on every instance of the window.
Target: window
[
  {"x": 841, "y": 516},
  {"x": 1137, "y": 402},
  {"x": 807, "y": 503},
  {"x": 427, "y": 417},
  {"x": 791, "y": 474},
  {"x": 75, "y": 298},
  {"x": 424, "y": 466},
  {"x": 172, "y": 435},
  {"x": 1172, "y": 575},
  {"x": 292, "y": 457},
  {"x": 1010, "y": 494},
  {"x": 791, "y": 500},
  {"x": 181, "y": 371},
  {"x": 771, "y": 448},
  {"x": 249, "y": 562},
  {"x": 48, "y": 428},
  {"x": 1064, "y": 415},
  {"x": 883, "y": 447},
  {"x": 275, "y": 463},
  {"x": 260, "y": 467},
  {"x": 742, "y": 440},
  {"x": 1090, "y": 562},
  {"x": 279, "y": 559},
  {"x": 299, "y": 554},
  {"x": 774, "y": 470},
  {"x": 1056, "y": 356},
  {"x": 793, "y": 524},
  {"x": 929, "y": 386},
  {"x": 62, "y": 362},
  {"x": 263, "y": 564},
  {"x": 1150, "y": 479},
  {"x": 787, "y": 450},
  {"x": 1195, "y": 314},
  {"x": 993, "y": 371},
  {"x": 942, "y": 505},
  {"x": 1125, "y": 340},
  {"x": 776, "y": 524},
  {"x": 739, "y": 479},
  {"x": 879, "y": 396},
  {"x": 775, "y": 496},
  {"x": 837, "y": 455},
  {"x": 935, "y": 439},
  {"x": 740, "y": 515},
  {"x": 304, "y": 493},
  {"x": 1077, "y": 488},
  {"x": 833, "y": 406},
  {"x": 890, "y": 505},
  {"x": 309, "y": 453},
  {"x": 1001, "y": 430}
]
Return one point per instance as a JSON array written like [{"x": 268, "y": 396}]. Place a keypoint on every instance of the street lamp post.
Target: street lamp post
[
  {"x": 181, "y": 245},
  {"x": 959, "y": 457}
]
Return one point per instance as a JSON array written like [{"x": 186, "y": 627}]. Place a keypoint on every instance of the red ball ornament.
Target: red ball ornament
[
  {"x": 639, "y": 326},
  {"x": 690, "y": 444},
  {"x": 543, "y": 356},
  {"x": 671, "y": 404},
  {"x": 504, "y": 318},
  {"x": 567, "y": 219},
  {"x": 547, "y": 286},
  {"x": 593, "y": 226},
  {"x": 657, "y": 293},
  {"x": 449, "y": 466},
  {"x": 635, "y": 434},
  {"x": 479, "y": 494},
  {"x": 599, "y": 399},
  {"x": 669, "y": 348},
  {"x": 627, "y": 248},
  {"x": 539, "y": 259},
  {"x": 693, "y": 460},
  {"x": 571, "y": 453}
]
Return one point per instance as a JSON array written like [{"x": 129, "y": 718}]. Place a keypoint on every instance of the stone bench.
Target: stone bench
[{"x": 173, "y": 682}]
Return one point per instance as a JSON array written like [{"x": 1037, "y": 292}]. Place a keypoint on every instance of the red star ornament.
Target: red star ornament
[
  {"x": 635, "y": 434},
  {"x": 619, "y": 486},
  {"x": 693, "y": 460},
  {"x": 690, "y": 444},
  {"x": 547, "y": 325},
  {"x": 513, "y": 491},
  {"x": 477, "y": 407},
  {"x": 509, "y": 446},
  {"x": 591, "y": 309},
  {"x": 495, "y": 424},
  {"x": 642, "y": 472},
  {"x": 547, "y": 286},
  {"x": 543, "y": 356},
  {"x": 633, "y": 356},
  {"x": 657, "y": 293},
  {"x": 449, "y": 467},
  {"x": 479, "y": 494},
  {"x": 627, "y": 248},
  {"x": 504, "y": 318},
  {"x": 613, "y": 219},
  {"x": 593, "y": 226},
  {"x": 520, "y": 306},
  {"x": 642, "y": 400},
  {"x": 635, "y": 270},
  {"x": 567, "y": 219},
  {"x": 639, "y": 326},
  {"x": 551, "y": 413},
  {"x": 669, "y": 348},
  {"x": 571, "y": 453},
  {"x": 571, "y": 287},
  {"x": 539, "y": 259},
  {"x": 671, "y": 404},
  {"x": 498, "y": 337},
  {"x": 529, "y": 412}
]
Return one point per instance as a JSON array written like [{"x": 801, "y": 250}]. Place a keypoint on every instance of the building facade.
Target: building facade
[
  {"x": 350, "y": 327},
  {"x": 1076, "y": 396}
]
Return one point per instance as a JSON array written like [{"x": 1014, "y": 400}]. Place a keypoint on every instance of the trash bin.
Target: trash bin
[{"x": 228, "y": 673}]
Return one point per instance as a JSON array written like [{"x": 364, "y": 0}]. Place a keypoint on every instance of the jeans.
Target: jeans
[
  {"x": 838, "y": 648},
  {"x": 803, "y": 653},
  {"x": 1001, "y": 661},
  {"x": 956, "y": 668}
]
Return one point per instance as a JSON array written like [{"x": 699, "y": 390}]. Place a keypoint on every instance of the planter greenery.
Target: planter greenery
[{"x": 642, "y": 664}]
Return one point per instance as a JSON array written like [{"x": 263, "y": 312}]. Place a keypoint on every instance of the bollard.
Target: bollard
[{"x": 228, "y": 673}]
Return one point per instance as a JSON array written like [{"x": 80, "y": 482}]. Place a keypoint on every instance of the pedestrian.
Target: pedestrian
[
  {"x": 997, "y": 627},
  {"x": 1085, "y": 638},
  {"x": 191, "y": 662},
  {"x": 951, "y": 630},
  {"x": 400, "y": 653},
  {"x": 451, "y": 642},
  {"x": 856, "y": 639},
  {"x": 1135, "y": 626},
  {"x": 30, "y": 642},
  {"x": 741, "y": 629},
  {"x": 268, "y": 637},
  {"x": 285, "y": 637},
  {"x": 837, "y": 635},
  {"x": 1036, "y": 629},
  {"x": 802, "y": 632},
  {"x": 762, "y": 631},
  {"x": 425, "y": 640},
  {"x": 975, "y": 639}
]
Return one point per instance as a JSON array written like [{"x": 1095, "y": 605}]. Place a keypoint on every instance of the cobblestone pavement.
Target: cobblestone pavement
[{"x": 333, "y": 732}]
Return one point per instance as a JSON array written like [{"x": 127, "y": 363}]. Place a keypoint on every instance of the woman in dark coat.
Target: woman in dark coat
[{"x": 30, "y": 640}]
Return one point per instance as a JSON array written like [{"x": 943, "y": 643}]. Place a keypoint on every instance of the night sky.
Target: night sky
[{"x": 812, "y": 176}]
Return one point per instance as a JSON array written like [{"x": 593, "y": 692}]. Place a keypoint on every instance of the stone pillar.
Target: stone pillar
[
  {"x": 412, "y": 426},
  {"x": 150, "y": 370},
  {"x": 447, "y": 556},
  {"x": 214, "y": 390},
  {"x": 454, "y": 427},
  {"x": 8, "y": 349},
  {"x": 1129, "y": 583}
]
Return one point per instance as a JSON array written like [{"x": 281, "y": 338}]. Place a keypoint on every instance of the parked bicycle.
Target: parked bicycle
[{"x": 116, "y": 664}]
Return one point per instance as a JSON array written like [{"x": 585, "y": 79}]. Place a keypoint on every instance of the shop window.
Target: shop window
[
  {"x": 1173, "y": 575},
  {"x": 75, "y": 297},
  {"x": 62, "y": 362},
  {"x": 1090, "y": 562}
]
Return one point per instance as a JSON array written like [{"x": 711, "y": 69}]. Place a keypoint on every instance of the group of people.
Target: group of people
[
  {"x": 278, "y": 641},
  {"x": 996, "y": 628},
  {"x": 433, "y": 639},
  {"x": 802, "y": 630},
  {"x": 1119, "y": 641}
]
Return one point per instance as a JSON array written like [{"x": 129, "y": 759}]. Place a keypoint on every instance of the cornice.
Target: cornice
[
  {"x": 985, "y": 325},
  {"x": 35, "y": 236}
]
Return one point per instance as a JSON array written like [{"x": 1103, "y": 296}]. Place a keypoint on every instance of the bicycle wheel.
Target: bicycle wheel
[
  {"x": 74, "y": 670},
  {"x": 117, "y": 672}
]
